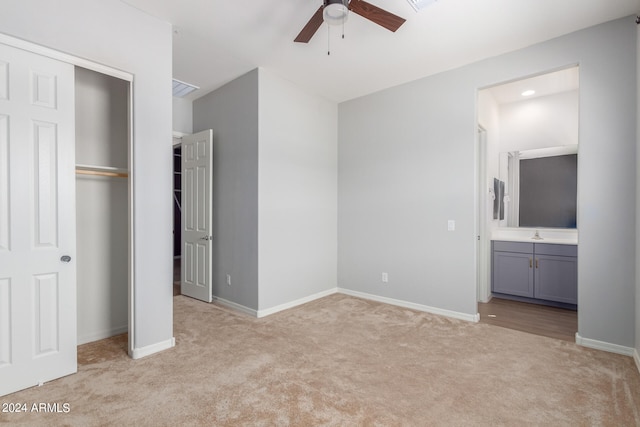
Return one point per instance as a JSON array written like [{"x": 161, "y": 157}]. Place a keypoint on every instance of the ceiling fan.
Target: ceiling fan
[{"x": 335, "y": 12}]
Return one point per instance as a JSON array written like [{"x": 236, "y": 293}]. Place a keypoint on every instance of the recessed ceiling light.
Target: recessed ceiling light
[
  {"x": 528, "y": 92},
  {"x": 420, "y": 4}
]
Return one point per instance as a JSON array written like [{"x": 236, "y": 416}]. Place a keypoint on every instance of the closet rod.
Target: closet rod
[{"x": 101, "y": 171}]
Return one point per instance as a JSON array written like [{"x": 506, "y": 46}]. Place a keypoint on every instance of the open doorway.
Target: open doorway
[
  {"x": 177, "y": 212},
  {"x": 525, "y": 123}
]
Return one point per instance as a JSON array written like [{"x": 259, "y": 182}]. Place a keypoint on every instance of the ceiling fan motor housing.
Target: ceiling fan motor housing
[{"x": 335, "y": 12}]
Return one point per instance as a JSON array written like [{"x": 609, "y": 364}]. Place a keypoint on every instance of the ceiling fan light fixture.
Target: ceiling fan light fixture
[{"x": 335, "y": 12}]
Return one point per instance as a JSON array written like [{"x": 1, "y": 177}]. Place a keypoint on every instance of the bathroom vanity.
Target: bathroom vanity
[{"x": 538, "y": 271}]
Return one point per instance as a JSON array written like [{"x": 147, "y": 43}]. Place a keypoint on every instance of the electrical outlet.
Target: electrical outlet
[
  {"x": 229, "y": 279},
  {"x": 451, "y": 225},
  {"x": 385, "y": 277}
]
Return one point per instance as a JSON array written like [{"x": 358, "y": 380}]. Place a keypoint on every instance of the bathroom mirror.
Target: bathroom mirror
[{"x": 540, "y": 187}]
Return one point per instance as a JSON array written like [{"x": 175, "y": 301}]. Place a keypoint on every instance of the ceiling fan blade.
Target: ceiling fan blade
[
  {"x": 310, "y": 29},
  {"x": 373, "y": 13}
]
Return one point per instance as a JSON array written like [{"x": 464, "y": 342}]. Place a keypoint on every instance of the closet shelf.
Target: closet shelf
[{"x": 102, "y": 171}]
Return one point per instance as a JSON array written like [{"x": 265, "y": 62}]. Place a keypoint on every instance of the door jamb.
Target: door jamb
[{"x": 482, "y": 259}]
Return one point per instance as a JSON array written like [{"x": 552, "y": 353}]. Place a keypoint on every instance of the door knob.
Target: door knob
[
  {"x": 65, "y": 258},
  {"x": 205, "y": 238}
]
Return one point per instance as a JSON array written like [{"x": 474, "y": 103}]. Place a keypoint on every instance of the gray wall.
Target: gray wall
[
  {"x": 232, "y": 112},
  {"x": 298, "y": 192},
  {"x": 112, "y": 33},
  {"x": 275, "y": 187},
  {"x": 407, "y": 165}
]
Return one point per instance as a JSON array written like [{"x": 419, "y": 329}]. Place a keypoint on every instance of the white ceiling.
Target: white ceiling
[
  {"x": 545, "y": 84},
  {"x": 216, "y": 41}
]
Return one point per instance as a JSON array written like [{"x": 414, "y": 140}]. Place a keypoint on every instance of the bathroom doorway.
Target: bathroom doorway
[{"x": 530, "y": 118}]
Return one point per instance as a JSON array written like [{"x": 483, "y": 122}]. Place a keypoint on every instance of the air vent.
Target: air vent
[
  {"x": 181, "y": 89},
  {"x": 420, "y": 4}
]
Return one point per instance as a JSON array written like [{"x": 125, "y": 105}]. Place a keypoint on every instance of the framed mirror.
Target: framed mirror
[{"x": 542, "y": 188}]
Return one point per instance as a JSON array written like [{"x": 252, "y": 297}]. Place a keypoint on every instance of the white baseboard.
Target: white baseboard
[
  {"x": 141, "y": 352},
  {"x": 295, "y": 303},
  {"x": 605, "y": 346},
  {"x": 276, "y": 309},
  {"x": 414, "y": 306},
  {"x": 102, "y": 334},
  {"x": 266, "y": 312},
  {"x": 486, "y": 300},
  {"x": 236, "y": 306},
  {"x": 636, "y": 357}
]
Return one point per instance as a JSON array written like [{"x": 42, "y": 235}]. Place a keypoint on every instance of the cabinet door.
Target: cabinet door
[
  {"x": 513, "y": 273},
  {"x": 556, "y": 278}
]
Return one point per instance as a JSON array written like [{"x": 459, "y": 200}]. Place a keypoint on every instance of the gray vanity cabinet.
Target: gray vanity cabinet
[
  {"x": 540, "y": 271},
  {"x": 512, "y": 268}
]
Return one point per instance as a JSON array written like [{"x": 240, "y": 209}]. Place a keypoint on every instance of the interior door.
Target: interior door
[
  {"x": 197, "y": 184},
  {"x": 37, "y": 220}
]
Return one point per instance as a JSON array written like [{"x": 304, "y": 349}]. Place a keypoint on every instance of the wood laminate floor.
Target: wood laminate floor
[{"x": 532, "y": 318}]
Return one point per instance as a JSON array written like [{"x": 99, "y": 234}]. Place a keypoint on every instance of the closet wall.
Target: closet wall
[{"x": 102, "y": 121}]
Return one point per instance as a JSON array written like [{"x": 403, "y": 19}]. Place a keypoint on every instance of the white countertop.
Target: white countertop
[
  {"x": 552, "y": 236},
  {"x": 543, "y": 240}
]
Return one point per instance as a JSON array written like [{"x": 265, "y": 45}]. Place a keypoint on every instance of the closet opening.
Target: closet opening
[{"x": 103, "y": 194}]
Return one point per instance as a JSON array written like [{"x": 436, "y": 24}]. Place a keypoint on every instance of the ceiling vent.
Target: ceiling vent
[
  {"x": 420, "y": 4},
  {"x": 181, "y": 89}
]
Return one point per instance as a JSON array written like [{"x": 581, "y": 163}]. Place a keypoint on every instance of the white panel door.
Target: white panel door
[
  {"x": 37, "y": 220},
  {"x": 197, "y": 184}
]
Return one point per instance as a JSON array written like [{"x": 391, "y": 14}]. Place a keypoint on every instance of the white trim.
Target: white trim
[
  {"x": 131, "y": 303},
  {"x": 102, "y": 335},
  {"x": 295, "y": 303},
  {"x": 605, "y": 346},
  {"x": 141, "y": 352},
  {"x": 64, "y": 57},
  {"x": 406, "y": 304},
  {"x": 178, "y": 135},
  {"x": 482, "y": 249},
  {"x": 636, "y": 357},
  {"x": 269, "y": 311},
  {"x": 235, "y": 306}
]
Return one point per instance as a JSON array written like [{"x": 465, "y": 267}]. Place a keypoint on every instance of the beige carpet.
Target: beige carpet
[{"x": 341, "y": 361}]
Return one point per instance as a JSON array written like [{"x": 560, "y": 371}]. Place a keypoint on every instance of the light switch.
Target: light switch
[{"x": 451, "y": 225}]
